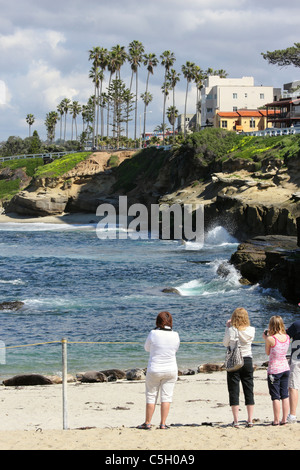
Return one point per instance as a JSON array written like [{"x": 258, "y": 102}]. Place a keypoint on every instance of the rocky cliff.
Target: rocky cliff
[
  {"x": 273, "y": 261},
  {"x": 235, "y": 194}
]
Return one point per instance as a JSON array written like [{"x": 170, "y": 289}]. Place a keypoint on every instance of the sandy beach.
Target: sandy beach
[
  {"x": 74, "y": 219},
  {"x": 104, "y": 416}
]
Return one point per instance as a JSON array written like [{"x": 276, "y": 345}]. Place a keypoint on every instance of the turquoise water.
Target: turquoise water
[{"x": 88, "y": 290}]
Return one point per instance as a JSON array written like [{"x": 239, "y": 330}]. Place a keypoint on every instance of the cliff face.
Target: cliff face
[
  {"x": 257, "y": 196},
  {"x": 80, "y": 189},
  {"x": 273, "y": 261}
]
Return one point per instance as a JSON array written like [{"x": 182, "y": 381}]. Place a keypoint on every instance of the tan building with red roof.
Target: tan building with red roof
[{"x": 242, "y": 120}]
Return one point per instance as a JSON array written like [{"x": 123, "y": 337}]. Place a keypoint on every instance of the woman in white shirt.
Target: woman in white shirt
[
  {"x": 240, "y": 324},
  {"x": 162, "y": 372}
]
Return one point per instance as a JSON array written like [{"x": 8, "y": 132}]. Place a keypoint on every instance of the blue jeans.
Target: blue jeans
[{"x": 278, "y": 385}]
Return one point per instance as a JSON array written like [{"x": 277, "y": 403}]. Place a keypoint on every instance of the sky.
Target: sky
[{"x": 44, "y": 49}]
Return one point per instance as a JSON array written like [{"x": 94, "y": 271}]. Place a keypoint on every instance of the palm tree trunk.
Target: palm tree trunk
[
  {"x": 186, "y": 95},
  {"x": 145, "y": 107},
  {"x": 101, "y": 111},
  {"x": 97, "y": 124},
  {"x": 136, "y": 101},
  {"x": 65, "y": 127},
  {"x": 173, "y": 115}
]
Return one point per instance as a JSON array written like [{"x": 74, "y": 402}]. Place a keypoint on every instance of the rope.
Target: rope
[{"x": 111, "y": 342}]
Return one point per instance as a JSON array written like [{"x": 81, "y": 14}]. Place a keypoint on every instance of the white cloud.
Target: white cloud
[
  {"x": 3, "y": 98},
  {"x": 44, "y": 46}
]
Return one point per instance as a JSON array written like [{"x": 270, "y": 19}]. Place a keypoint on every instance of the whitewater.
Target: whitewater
[{"x": 104, "y": 295}]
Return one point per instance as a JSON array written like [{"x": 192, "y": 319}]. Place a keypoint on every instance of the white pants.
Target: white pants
[
  {"x": 160, "y": 381},
  {"x": 294, "y": 378}
]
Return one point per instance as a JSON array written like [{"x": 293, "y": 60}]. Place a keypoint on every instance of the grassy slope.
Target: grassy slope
[
  {"x": 61, "y": 165},
  {"x": 35, "y": 168},
  {"x": 209, "y": 146}
]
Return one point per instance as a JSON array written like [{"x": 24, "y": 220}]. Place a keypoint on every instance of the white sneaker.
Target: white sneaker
[{"x": 291, "y": 419}]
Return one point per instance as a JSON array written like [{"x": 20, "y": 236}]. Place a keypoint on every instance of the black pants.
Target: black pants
[{"x": 244, "y": 375}]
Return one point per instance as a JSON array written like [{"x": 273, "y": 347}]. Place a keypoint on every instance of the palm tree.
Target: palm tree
[
  {"x": 136, "y": 51},
  {"x": 94, "y": 55},
  {"x": 30, "y": 120},
  {"x": 167, "y": 60},
  {"x": 103, "y": 62},
  {"x": 65, "y": 103},
  {"x": 173, "y": 78},
  {"x": 222, "y": 73},
  {"x": 60, "y": 109},
  {"x": 151, "y": 61},
  {"x": 172, "y": 115},
  {"x": 87, "y": 114},
  {"x": 147, "y": 98},
  {"x": 198, "y": 78},
  {"x": 188, "y": 71},
  {"x": 50, "y": 122},
  {"x": 112, "y": 67},
  {"x": 75, "y": 109},
  {"x": 119, "y": 56}
]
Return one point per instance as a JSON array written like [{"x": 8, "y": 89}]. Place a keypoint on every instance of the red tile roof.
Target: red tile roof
[
  {"x": 249, "y": 113},
  {"x": 228, "y": 114}
]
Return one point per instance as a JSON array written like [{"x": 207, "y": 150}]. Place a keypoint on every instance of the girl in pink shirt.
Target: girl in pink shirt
[{"x": 276, "y": 346}]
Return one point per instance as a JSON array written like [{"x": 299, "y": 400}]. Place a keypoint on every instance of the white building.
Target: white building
[{"x": 231, "y": 94}]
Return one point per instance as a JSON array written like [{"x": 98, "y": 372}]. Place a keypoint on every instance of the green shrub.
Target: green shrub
[
  {"x": 30, "y": 164},
  {"x": 113, "y": 161},
  {"x": 8, "y": 188}
]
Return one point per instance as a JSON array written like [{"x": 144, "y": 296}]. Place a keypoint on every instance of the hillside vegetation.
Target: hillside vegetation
[
  {"x": 205, "y": 152},
  {"x": 16, "y": 174},
  {"x": 200, "y": 155}
]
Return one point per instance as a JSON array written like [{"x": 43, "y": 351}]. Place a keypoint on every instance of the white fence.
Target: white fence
[
  {"x": 36, "y": 155},
  {"x": 274, "y": 131}
]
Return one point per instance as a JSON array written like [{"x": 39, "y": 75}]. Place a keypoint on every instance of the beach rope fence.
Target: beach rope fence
[{"x": 64, "y": 362}]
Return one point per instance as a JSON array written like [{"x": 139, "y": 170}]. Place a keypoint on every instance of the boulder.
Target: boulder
[
  {"x": 15, "y": 305},
  {"x": 91, "y": 377},
  {"x": 27, "y": 379},
  {"x": 272, "y": 261},
  {"x": 171, "y": 290},
  {"x": 40, "y": 203},
  {"x": 223, "y": 270}
]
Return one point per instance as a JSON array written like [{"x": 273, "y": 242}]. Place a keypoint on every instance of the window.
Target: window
[
  {"x": 209, "y": 110},
  {"x": 252, "y": 123},
  {"x": 224, "y": 124},
  {"x": 234, "y": 96},
  {"x": 262, "y": 96},
  {"x": 234, "y": 109},
  {"x": 246, "y": 95}
]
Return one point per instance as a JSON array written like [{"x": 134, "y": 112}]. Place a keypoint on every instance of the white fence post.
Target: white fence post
[{"x": 64, "y": 382}]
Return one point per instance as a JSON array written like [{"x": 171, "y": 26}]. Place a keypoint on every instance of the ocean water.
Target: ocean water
[{"x": 103, "y": 296}]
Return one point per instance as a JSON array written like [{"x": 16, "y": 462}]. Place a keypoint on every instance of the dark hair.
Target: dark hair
[{"x": 164, "y": 319}]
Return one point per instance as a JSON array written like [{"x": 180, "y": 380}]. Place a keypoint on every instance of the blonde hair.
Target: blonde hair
[
  {"x": 240, "y": 318},
  {"x": 276, "y": 325}
]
